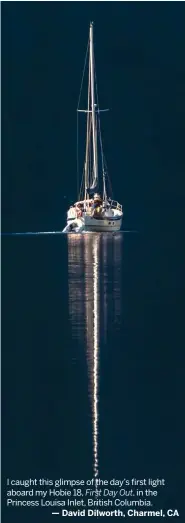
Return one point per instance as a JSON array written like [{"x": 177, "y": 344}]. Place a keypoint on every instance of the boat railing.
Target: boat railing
[{"x": 115, "y": 205}]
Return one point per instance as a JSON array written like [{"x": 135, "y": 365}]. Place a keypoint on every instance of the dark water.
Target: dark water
[{"x": 92, "y": 360}]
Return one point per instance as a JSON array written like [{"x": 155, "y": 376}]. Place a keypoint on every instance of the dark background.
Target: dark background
[{"x": 140, "y": 49}]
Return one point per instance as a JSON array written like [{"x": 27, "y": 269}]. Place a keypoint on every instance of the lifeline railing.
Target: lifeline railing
[{"x": 115, "y": 205}]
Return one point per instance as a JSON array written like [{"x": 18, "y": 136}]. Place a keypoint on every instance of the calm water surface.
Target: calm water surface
[{"x": 91, "y": 359}]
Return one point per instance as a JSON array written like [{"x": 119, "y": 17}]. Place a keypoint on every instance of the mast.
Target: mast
[
  {"x": 95, "y": 162},
  {"x": 87, "y": 140},
  {"x": 93, "y": 127}
]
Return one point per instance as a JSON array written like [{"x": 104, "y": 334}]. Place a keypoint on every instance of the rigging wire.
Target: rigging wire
[
  {"x": 108, "y": 179},
  {"x": 77, "y": 154},
  {"x": 104, "y": 167},
  {"x": 103, "y": 160},
  {"x": 88, "y": 135}
]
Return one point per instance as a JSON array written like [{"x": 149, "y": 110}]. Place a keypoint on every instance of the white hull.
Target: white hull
[
  {"x": 102, "y": 225},
  {"x": 90, "y": 224}
]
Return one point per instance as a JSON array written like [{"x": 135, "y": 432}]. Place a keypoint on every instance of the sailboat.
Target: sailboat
[{"x": 95, "y": 210}]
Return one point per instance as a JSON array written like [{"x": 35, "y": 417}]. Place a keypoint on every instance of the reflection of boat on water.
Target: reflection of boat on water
[
  {"x": 92, "y": 328},
  {"x": 94, "y": 211},
  {"x": 94, "y": 274}
]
